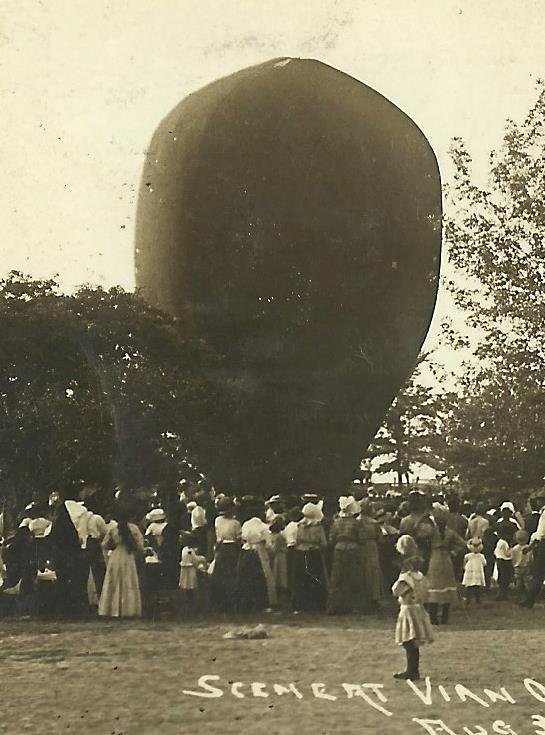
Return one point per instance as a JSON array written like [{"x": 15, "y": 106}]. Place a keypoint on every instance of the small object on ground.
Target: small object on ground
[{"x": 256, "y": 633}]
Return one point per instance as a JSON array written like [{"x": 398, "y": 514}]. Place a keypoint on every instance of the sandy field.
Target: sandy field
[{"x": 133, "y": 677}]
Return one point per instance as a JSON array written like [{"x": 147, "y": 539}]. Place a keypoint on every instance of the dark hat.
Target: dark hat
[{"x": 225, "y": 504}]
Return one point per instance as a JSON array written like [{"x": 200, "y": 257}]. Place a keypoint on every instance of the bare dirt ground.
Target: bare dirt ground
[{"x": 129, "y": 678}]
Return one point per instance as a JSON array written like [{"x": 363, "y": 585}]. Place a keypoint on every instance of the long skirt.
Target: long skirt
[
  {"x": 441, "y": 580},
  {"x": 372, "y": 573},
  {"x": 72, "y": 575},
  {"x": 223, "y": 581},
  {"x": 252, "y": 585},
  {"x": 413, "y": 624},
  {"x": 346, "y": 582},
  {"x": 280, "y": 570},
  {"x": 121, "y": 596},
  {"x": 309, "y": 591}
]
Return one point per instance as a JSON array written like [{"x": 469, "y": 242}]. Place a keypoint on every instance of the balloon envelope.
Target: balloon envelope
[{"x": 290, "y": 216}]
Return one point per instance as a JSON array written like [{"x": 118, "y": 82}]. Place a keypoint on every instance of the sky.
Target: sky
[{"x": 84, "y": 83}]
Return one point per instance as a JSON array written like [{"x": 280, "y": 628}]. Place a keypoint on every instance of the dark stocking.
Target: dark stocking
[
  {"x": 444, "y": 613},
  {"x": 413, "y": 660},
  {"x": 433, "y": 608}
]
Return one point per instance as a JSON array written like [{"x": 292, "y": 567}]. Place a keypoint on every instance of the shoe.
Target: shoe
[{"x": 404, "y": 675}]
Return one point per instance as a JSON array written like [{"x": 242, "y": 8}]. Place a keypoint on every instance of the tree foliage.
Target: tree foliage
[
  {"x": 413, "y": 430},
  {"x": 495, "y": 237},
  {"x": 96, "y": 387}
]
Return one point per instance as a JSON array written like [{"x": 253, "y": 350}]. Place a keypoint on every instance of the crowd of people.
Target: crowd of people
[{"x": 229, "y": 555}]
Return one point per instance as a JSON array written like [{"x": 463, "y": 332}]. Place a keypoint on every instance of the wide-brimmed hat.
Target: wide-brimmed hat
[
  {"x": 475, "y": 544},
  {"x": 309, "y": 498},
  {"x": 440, "y": 512},
  {"x": 313, "y": 512},
  {"x": 348, "y": 505},
  {"x": 156, "y": 515},
  {"x": 406, "y": 546}
]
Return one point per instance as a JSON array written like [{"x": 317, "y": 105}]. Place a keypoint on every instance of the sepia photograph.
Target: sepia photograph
[{"x": 272, "y": 367}]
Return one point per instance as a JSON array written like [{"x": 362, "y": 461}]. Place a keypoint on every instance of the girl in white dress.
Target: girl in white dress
[
  {"x": 191, "y": 563},
  {"x": 474, "y": 565},
  {"x": 413, "y": 627}
]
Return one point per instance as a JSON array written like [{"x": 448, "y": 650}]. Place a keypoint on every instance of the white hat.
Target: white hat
[
  {"x": 155, "y": 515},
  {"x": 507, "y": 505},
  {"x": 348, "y": 505},
  {"x": 40, "y": 527},
  {"x": 312, "y": 512},
  {"x": 406, "y": 546}
]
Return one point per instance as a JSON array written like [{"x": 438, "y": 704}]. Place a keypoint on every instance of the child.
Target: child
[
  {"x": 522, "y": 561},
  {"x": 504, "y": 563},
  {"x": 474, "y": 566},
  {"x": 413, "y": 627},
  {"x": 190, "y": 564}
]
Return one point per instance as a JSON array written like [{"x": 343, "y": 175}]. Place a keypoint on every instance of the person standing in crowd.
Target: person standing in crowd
[
  {"x": 458, "y": 523},
  {"x": 191, "y": 564},
  {"x": 521, "y": 557},
  {"x": 71, "y": 567},
  {"x": 121, "y": 596},
  {"x": 507, "y": 525},
  {"x": 20, "y": 570},
  {"x": 478, "y": 522},
  {"x": 279, "y": 563},
  {"x": 199, "y": 523},
  {"x": 504, "y": 563},
  {"x": 96, "y": 527},
  {"x": 419, "y": 525},
  {"x": 490, "y": 540},
  {"x": 456, "y": 520},
  {"x": 309, "y": 584},
  {"x": 387, "y": 547},
  {"x": 445, "y": 544},
  {"x": 294, "y": 516},
  {"x": 413, "y": 628},
  {"x": 40, "y": 528},
  {"x": 537, "y": 549},
  {"x": 474, "y": 566},
  {"x": 255, "y": 584},
  {"x": 346, "y": 581},
  {"x": 226, "y": 557},
  {"x": 157, "y": 522},
  {"x": 531, "y": 520},
  {"x": 369, "y": 537}
]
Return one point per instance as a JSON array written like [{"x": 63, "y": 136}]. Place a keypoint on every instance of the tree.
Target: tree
[
  {"x": 496, "y": 243},
  {"x": 96, "y": 388},
  {"x": 412, "y": 430}
]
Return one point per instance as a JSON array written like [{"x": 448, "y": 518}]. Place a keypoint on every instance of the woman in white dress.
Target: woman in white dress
[{"x": 121, "y": 597}]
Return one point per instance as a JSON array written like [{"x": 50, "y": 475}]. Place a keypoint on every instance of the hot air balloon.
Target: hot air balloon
[{"x": 290, "y": 217}]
